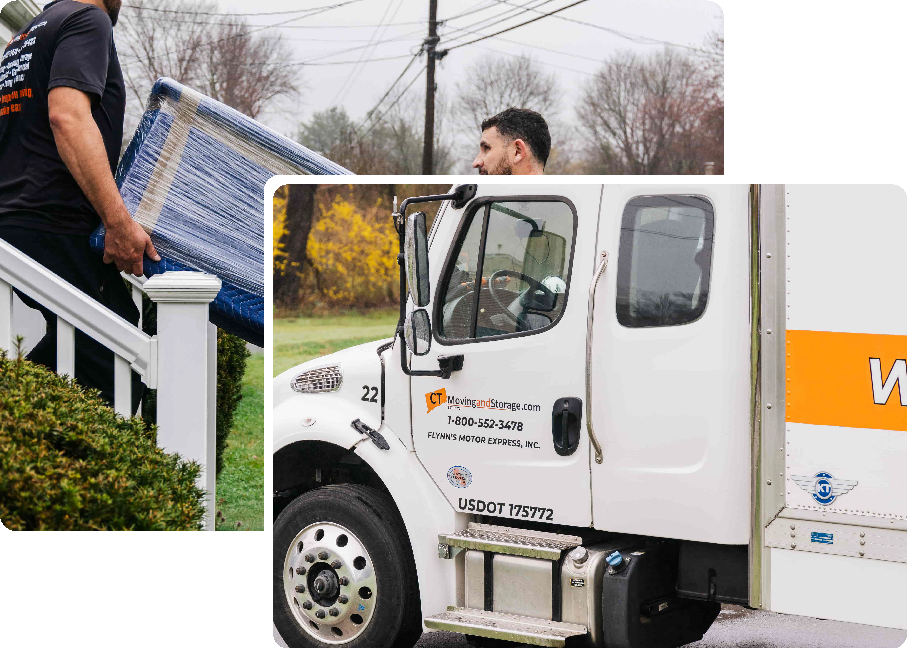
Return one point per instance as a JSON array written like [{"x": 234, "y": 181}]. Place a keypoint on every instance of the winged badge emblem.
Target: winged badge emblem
[{"x": 824, "y": 488}]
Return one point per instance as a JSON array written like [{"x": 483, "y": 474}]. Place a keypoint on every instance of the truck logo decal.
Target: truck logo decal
[
  {"x": 824, "y": 488},
  {"x": 435, "y": 399},
  {"x": 851, "y": 380},
  {"x": 459, "y": 476},
  {"x": 881, "y": 390},
  {"x": 439, "y": 397}
]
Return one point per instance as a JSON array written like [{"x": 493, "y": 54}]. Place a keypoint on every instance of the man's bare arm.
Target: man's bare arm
[{"x": 81, "y": 147}]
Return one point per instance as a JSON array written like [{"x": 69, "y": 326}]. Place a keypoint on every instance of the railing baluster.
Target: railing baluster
[
  {"x": 122, "y": 387},
  {"x": 137, "y": 300},
  {"x": 66, "y": 348},
  {"x": 6, "y": 317}
]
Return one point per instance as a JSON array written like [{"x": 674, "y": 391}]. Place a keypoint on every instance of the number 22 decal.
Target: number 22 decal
[{"x": 365, "y": 396}]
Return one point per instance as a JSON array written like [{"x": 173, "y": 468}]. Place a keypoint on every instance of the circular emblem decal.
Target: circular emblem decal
[
  {"x": 824, "y": 493},
  {"x": 459, "y": 476}
]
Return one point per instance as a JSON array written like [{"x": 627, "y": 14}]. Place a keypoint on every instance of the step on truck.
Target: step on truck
[{"x": 606, "y": 411}]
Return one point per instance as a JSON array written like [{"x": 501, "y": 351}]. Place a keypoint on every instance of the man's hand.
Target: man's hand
[
  {"x": 125, "y": 243},
  {"x": 81, "y": 147}
]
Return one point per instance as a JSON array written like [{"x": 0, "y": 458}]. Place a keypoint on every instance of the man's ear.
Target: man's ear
[{"x": 521, "y": 151}]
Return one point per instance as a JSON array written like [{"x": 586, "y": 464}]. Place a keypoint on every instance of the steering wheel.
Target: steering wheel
[{"x": 533, "y": 285}]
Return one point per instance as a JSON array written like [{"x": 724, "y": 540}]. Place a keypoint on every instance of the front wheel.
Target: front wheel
[{"x": 344, "y": 572}]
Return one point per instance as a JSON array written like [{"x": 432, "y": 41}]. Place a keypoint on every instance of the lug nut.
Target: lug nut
[
  {"x": 320, "y": 614},
  {"x": 309, "y": 558},
  {"x": 334, "y": 612},
  {"x": 300, "y": 571},
  {"x": 323, "y": 555},
  {"x": 336, "y": 564},
  {"x": 343, "y": 598},
  {"x": 344, "y": 581},
  {"x": 307, "y": 605},
  {"x": 300, "y": 589}
]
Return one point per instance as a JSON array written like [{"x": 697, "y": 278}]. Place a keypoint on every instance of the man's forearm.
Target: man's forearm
[{"x": 82, "y": 149}]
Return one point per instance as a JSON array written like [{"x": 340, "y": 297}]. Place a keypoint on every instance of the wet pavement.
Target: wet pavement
[{"x": 738, "y": 627}]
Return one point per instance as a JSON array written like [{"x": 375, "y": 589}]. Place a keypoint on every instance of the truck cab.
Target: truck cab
[{"x": 567, "y": 438}]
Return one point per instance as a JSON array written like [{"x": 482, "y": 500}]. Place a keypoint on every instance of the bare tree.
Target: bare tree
[
  {"x": 157, "y": 43},
  {"x": 497, "y": 83},
  {"x": 637, "y": 113},
  {"x": 245, "y": 71},
  {"x": 222, "y": 56},
  {"x": 390, "y": 146}
]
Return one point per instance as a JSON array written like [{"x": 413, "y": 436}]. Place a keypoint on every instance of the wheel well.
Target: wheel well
[{"x": 307, "y": 465}]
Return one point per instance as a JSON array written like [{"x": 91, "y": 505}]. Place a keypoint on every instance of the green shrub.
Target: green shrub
[
  {"x": 231, "y": 367},
  {"x": 67, "y": 462}
]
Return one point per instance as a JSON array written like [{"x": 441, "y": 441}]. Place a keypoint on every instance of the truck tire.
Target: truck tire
[{"x": 344, "y": 572}]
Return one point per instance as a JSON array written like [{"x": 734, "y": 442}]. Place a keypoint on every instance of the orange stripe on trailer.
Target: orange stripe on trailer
[{"x": 847, "y": 379}]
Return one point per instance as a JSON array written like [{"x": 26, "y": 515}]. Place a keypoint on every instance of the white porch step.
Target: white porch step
[
  {"x": 507, "y": 540},
  {"x": 507, "y": 627}
]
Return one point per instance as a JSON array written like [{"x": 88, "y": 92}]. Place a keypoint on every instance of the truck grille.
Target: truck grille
[{"x": 318, "y": 381}]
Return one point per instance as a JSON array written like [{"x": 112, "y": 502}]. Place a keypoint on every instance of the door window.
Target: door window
[
  {"x": 664, "y": 260},
  {"x": 509, "y": 272}
]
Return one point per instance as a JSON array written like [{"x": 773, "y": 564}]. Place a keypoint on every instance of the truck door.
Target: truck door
[
  {"x": 505, "y": 436},
  {"x": 669, "y": 366}
]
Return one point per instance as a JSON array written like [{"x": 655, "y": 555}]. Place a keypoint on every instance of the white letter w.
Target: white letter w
[{"x": 881, "y": 392}]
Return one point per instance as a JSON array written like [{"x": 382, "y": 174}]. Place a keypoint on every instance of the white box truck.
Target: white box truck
[{"x": 607, "y": 410}]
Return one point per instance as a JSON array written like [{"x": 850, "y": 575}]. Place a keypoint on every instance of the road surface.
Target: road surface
[{"x": 737, "y": 627}]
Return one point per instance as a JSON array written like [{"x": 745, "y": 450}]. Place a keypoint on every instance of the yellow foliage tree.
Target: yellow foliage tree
[
  {"x": 354, "y": 251},
  {"x": 280, "y": 228}
]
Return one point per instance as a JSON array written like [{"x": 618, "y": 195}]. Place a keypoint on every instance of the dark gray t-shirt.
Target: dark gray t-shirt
[{"x": 69, "y": 44}]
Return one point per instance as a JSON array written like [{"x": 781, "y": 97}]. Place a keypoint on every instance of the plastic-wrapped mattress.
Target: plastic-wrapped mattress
[{"x": 193, "y": 177}]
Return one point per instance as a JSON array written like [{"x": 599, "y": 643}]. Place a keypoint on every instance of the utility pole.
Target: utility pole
[{"x": 429, "y": 46}]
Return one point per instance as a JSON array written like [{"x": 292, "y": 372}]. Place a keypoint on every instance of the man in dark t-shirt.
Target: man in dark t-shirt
[{"x": 62, "y": 101}]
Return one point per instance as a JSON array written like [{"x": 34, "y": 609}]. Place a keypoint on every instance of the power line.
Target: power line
[
  {"x": 218, "y": 13},
  {"x": 553, "y": 65},
  {"x": 357, "y": 70},
  {"x": 399, "y": 24},
  {"x": 551, "y": 13},
  {"x": 396, "y": 81},
  {"x": 389, "y": 108},
  {"x": 374, "y": 60},
  {"x": 644, "y": 40},
  {"x": 363, "y": 47},
  {"x": 253, "y": 31},
  {"x": 496, "y": 19}
]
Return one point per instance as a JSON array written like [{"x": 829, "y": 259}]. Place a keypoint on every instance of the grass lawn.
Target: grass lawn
[
  {"x": 299, "y": 339},
  {"x": 240, "y": 485}
]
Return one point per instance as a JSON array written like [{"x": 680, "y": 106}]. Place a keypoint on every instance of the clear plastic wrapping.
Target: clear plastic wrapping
[{"x": 193, "y": 177}]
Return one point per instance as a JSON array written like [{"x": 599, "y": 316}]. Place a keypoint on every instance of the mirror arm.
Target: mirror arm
[
  {"x": 447, "y": 364},
  {"x": 462, "y": 195}
]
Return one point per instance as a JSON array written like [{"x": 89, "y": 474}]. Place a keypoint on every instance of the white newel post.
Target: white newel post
[{"x": 185, "y": 398}]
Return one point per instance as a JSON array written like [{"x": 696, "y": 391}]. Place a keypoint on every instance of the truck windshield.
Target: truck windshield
[{"x": 510, "y": 270}]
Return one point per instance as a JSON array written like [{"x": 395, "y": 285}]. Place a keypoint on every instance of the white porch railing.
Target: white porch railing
[{"x": 180, "y": 361}]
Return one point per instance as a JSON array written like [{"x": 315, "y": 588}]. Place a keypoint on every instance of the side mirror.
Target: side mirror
[
  {"x": 416, "y": 255},
  {"x": 417, "y": 332}
]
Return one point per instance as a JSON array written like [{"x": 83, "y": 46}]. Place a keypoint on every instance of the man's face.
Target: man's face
[
  {"x": 113, "y": 9},
  {"x": 494, "y": 154}
]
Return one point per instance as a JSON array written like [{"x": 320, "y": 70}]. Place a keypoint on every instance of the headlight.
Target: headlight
[{"x": 318, "y": 381}]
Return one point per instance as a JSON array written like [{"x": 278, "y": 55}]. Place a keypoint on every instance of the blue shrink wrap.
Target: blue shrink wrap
[{"x": 193, "y": 177}]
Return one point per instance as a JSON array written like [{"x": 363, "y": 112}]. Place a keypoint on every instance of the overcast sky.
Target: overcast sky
[{"x": 572, "y": 51}]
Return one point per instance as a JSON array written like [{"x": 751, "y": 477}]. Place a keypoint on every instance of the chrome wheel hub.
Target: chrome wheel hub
[{"x": 329, "y": 582}]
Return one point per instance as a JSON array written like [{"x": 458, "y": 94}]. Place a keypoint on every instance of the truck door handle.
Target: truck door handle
[{"x": 566, "y": 422}]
